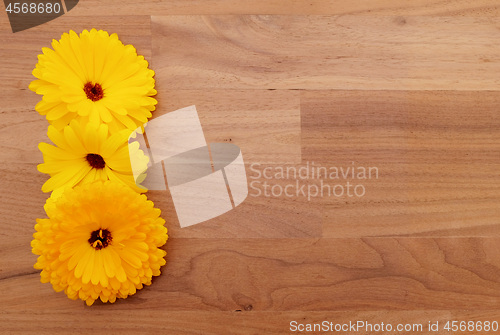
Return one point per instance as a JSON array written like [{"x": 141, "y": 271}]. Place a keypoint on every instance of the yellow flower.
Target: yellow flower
[
  {"x": 86, "y": 153},
  {"x": 100, "y": 240},
  {"x": 95, "y": 77}
]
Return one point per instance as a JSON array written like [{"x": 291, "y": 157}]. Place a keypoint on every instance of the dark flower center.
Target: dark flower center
[
  {"x": 100, "y": 239},
  {"x": 96, "y": 161},
  {"x": 94, "y": 91}
]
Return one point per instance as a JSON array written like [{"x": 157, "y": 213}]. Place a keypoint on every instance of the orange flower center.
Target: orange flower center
[
  {"x": 100, "y": 239},
  {"x": 94, "y": 92},
  {"x": 96, "y": 161}
]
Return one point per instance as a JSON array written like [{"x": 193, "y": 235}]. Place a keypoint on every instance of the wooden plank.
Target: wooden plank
[
  {"x": 437, "y": 154},
  {"x": 264, "y": 214},
  {"x": 215, "y": 323},
  {"x": 300, "y": 275},
  {"x": 290, "y": 7},
  {"x": 326, "y": 52},
  {"x": 21, "y": 203},
  {"x": 264, "y": 124}
]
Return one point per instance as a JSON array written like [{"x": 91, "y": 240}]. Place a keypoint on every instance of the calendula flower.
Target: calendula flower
[
  {"x": 100, "y": 241},
  {"x": 85, "y": 153},
  {"x": 95, "y": 77}
]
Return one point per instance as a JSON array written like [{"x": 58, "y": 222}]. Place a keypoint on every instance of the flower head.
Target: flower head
[
  {"x": 100, "y": 240},
  {"x": 85, "y": 153},
  {"x": 93, "y": 76}
]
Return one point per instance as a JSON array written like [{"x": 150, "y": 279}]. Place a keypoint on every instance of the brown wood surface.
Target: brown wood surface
[
  {"x": 326, "y": 52},
  {"x": 409, "y": 87},
  {"x": 478, "y": 8}
]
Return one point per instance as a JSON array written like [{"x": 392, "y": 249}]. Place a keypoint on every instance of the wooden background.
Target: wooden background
[{"x": 409, "y": 87}]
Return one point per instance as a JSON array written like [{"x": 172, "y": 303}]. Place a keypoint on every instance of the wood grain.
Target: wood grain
[
  {"x": 262, "y": 215},
  {"x": 438, "y": 156},
  {"x": 300, "y": 275},
  {"x": 479, "y": 8},
  {"x": 362, "y": 52},
  {"x": 266, "y": 125},
  {"x": 408, "y": 87},
  {"x": 216, "y": 323}
]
